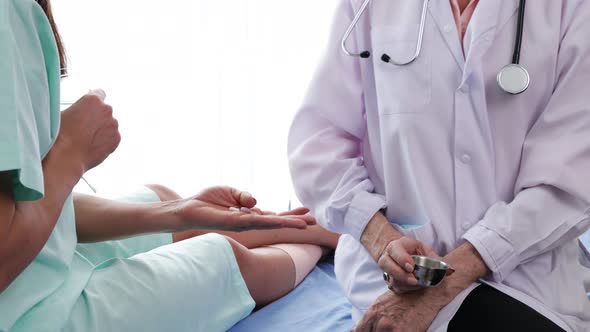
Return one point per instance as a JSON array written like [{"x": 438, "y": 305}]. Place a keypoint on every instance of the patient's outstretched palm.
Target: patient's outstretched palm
[{"x": 211, "y": 209}]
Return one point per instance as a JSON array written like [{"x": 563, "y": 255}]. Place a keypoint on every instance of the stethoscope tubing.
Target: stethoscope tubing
[
  {"x": 507, "y": 82},
  {"x": 388, "y": 59},
  {"x": 519, "y": 33},
  {"x": 355, "y": 20}
]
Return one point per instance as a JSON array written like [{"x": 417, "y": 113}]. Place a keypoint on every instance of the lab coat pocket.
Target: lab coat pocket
[
  {"x": 423, "y": 233},
  {"x": 401, "y": 88}
]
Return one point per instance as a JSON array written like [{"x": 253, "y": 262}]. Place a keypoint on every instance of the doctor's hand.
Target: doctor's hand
[
  {"x": 218, "y": 208},
  {"x": 393, "y": 252},
  {"x": 396, "y": 260},
  {"x": 401, "y": 313},
  {"x": 89, "y": 132}
]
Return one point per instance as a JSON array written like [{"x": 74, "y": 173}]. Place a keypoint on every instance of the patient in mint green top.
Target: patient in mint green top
[{"x": 150, "y": 262}]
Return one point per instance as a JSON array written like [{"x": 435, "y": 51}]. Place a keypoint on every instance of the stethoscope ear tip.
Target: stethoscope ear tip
[
  {"x": 385, "y": 58},
  {"x": 365, "y": 54}
]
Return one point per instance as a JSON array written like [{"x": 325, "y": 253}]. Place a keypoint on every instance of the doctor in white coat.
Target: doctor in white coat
[{"x": 434, "y": 158}]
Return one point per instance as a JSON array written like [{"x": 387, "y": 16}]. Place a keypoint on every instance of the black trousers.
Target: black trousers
[{"x": 487, "y": 309}]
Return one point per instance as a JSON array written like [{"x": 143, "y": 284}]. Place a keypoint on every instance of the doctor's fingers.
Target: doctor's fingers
[
  {"x": 384, "y": 325},
  {"x": 374, "y": 322},
  {"x": 401, "y": 251},
  {"x": 366, "y": 324},
  {"x": 399, "y": 281}
]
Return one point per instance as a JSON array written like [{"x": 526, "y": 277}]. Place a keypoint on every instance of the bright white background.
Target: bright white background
[{"x": 204, "y": 90}]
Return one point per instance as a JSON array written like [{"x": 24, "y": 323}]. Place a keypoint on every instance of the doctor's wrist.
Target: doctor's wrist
[
  {"x": 440, "y": 296},
  {"x": 469, "y": 267},
  {"x": 377, "y": 235}
]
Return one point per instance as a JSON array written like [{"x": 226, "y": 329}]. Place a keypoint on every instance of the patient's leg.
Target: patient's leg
[
  {"x": 272, "y": 262},
  {"x": 254, "y": 239},
  {"x": 270, "y": 272}
]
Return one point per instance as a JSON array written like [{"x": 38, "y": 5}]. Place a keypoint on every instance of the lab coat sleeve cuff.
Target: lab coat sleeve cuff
[
  {"x": 497, "y": 252},
  {"x": 361, "y": 210}
]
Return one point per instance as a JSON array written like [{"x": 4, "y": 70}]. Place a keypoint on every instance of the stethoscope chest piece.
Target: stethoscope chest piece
[{"x": 514, "y": 79}]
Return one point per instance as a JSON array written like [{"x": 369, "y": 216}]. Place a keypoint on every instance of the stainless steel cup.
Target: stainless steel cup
[{"x": 429, "y": 271}]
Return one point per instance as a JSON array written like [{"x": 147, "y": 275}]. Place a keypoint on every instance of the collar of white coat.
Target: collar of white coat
[
  {"x": 489, "y": 19},
  {"x": 489, "y": 14}
]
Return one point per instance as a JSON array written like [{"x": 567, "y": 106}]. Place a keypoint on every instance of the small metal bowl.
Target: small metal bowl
[{"x": 429, "y": 271}]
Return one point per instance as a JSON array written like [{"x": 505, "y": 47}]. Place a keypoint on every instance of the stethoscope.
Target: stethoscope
[{"x": 513, "y": 78}]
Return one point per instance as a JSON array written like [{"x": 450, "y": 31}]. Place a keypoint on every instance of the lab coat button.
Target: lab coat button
[
  {"x": 448, "y": 28},
  {"x": 466, "y": 225},
  {"x": 464, "y": 88},
  {"x": 466, "y": 159}
]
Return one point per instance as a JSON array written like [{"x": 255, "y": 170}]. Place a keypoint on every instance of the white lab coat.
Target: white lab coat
[{"x": 439, "y": 145}]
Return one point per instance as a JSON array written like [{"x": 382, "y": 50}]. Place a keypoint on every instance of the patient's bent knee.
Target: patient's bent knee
[{"x": 242, "y": 254}]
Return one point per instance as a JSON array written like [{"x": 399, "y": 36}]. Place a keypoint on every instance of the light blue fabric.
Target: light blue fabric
[
  {"x": 317, "y": 305},
  {"x": 193, "y": 285},
  {"x": 146, "y": 283},
  {"x": 29, "y": 94},
  {"x": 43, "y": 294}
]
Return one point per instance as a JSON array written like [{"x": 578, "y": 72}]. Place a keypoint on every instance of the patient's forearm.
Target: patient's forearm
[{"x": 99, "y": 219}]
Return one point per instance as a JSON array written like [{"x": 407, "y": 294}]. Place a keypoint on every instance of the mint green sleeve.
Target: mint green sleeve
[{"x": 19, "y": 138}]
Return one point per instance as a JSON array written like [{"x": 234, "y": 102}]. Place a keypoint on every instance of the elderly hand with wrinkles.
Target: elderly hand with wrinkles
[
  {"x": 407, "y": 307},
  {"x": 398, "y": 265}
]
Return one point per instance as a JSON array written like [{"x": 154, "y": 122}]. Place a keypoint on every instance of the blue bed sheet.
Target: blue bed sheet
[{"x": 317, "y": 305}]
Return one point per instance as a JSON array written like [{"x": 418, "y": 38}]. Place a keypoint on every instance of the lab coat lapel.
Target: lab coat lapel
[
  {"x": 441, "y": 13},
  {"x": 489, "y": 18}
]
